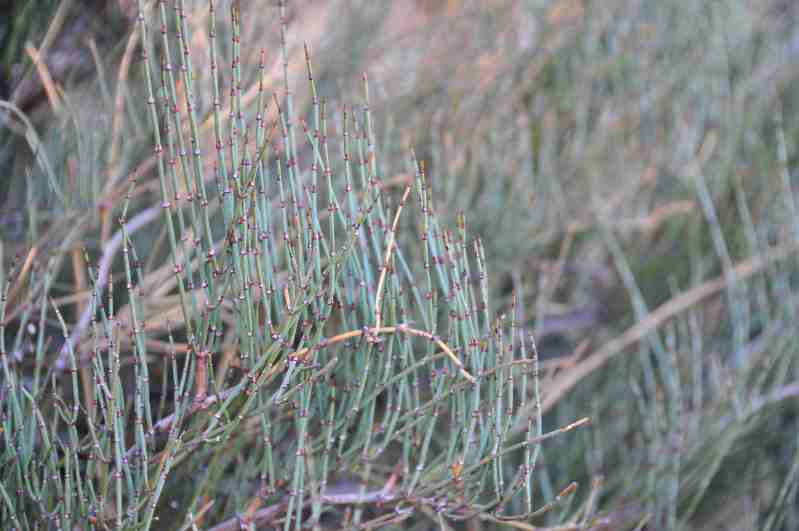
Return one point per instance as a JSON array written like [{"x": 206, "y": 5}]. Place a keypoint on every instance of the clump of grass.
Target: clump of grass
[{"x": 286, "y": 362}]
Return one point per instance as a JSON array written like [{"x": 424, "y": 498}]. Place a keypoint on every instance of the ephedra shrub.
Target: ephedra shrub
[{"x": 301, "y": 343}]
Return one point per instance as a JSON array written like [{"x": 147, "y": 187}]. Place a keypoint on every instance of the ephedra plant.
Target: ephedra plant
[{"x": 304, "y": 344}]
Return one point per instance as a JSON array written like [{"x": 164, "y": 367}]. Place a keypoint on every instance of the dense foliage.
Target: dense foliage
[{"x": 245, "y": 285}]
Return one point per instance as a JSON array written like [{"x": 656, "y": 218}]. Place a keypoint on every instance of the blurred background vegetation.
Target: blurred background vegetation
[{"x": 630, "y": 166}]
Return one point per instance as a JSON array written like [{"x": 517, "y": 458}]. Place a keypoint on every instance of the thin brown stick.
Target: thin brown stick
[
  {"x": 343, "y": 494},
  {"x": 79, "y": 276},
  {"x": 44, "y": 73},
  {"x": 389, "y": 250},
  {"x": 404, "y": 329},
  {"x": 259, "y": 517},
  {"x": 201, "y": 376},
  {"x": 23, "y": 272},
  {"x": 44, "y": 48}
]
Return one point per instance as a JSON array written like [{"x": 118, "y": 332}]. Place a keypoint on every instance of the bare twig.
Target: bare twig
[
  {"x": 44, "y": 74},
  {"x": 401, "y": 328},
  {"x": 52, "y": 32},
  {"x": 389, "y": 250},
  {"x": 341, "y": 494}
]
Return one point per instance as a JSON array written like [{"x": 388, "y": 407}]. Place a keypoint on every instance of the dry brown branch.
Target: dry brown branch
[
  {"x": 24, "y": 86},
  {"x": 47, "y": 80},
  {"x": 387, "y": 260},
  {"x": 571, "y": 377}
]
